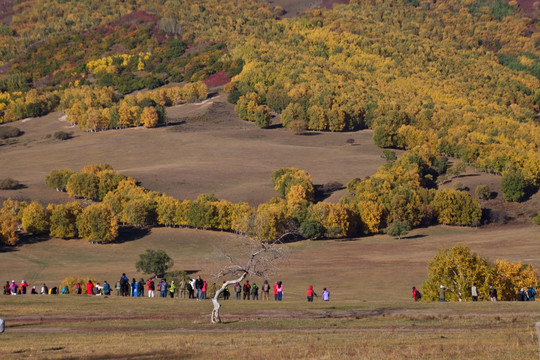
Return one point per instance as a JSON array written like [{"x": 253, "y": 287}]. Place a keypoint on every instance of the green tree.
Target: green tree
[
  {"x": 154, "y": 262},
  {"x": 398, "y": 228},
  {"x": 97, "y": 223},
  {"x": 63, "y": 220},
  {"x": 513, "y": 186},
  {"x": 482, "y": 192},
  {"x": 58, "y": 179}
]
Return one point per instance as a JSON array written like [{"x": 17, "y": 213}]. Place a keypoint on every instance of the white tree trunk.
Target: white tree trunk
[{"x": 215, "y": 312}]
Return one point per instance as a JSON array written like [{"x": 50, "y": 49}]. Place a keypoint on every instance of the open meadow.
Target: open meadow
[{"x": 370, "y": 314}]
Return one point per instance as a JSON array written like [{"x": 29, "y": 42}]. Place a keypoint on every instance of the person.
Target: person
[
  {"x": 226, "y": 292},
  {"x": 492, "y": 293},
  {"x": 106, "y": 288},
  {"x": 151, "y": 287},
  {"x": 98, "y": 289},
  {"x": 265, "y": 290},
  {"x": 238, "y": 291},
  {"x": 247, "y": 289},
  {"x": 172, "y": 289},
  {"x": 44, "y": 289},
  {"x": 280, "y": 291},
  {"x": 141, "y": 288},
  {"x": 124, "y": 284},
  {"x": 325, "y": 295},
  {"x": 134, "y": 287},
  {"x": 531, "y": 294},
  {"x": 13, "y": 288},
  {"x": 198, "y": 287},
  {"x": 89, "y": 287},
  {"x": 275, "y": 291},
  {"x": 53, "y": 290},
  {"x": 255, "y": 292},
  {"x": 416, "y": 294},
  {"x": 33, "y": 291},
  {"x": 522, "y": 296},
  {"x": 474, "y": 293},
  {"x": 191, "y": 291},
  {"x": 22, "y": 287},
  {"x": 203, "y": 289},
  {"x": 163, "y": 288},
  {"x": 6, "y": 289},
  {"x": 311, "y": 293},
  {"x": 182, "y": 287},
  {"x": 442, "y": 293},
  {"x": 117, "y": 287},
  {"x": 65, "y": 290},
  {"x": 77, "y": 289}
]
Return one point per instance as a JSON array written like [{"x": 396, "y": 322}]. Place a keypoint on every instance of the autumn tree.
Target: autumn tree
[
  {"x": 63, "y": 219},
  {"x": 10, "y": 221},
  {"x": 457, "y": 269},
  {"x": 35, "y": 219},
  {"x": 511, "y": 277},
  {"x": 97, "y": 223},
  {"x": 456, "y": 207},
  {"x": 58, "y": 179}
]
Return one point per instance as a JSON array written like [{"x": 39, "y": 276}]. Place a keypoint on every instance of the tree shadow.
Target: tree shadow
[
  {"x": 6, "y": 249},
  {"x": 324, "y": 191},
  {"x": 418, "y": 236},
  {"x": 274, "y": 126},
  {"x": 32, "y": 239},
  {"x": 130, "y": 233}
]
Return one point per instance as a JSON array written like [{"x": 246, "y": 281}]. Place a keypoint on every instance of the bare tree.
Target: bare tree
[{"x": 261, "y": 261}]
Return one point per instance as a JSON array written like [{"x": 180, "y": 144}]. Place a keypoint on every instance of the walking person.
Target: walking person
[
  {"x": 474, "y": 293},
  {"x": 325, "y": 295},
  {"x": 311, "y": 293}
]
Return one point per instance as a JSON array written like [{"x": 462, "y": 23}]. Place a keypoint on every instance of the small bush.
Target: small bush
[
  {"x": 62, "y": 135},
  {"x": 460, "y": 187},
  {"x": 536, "y": 219},
  {"x": 9, "y": 184},
  {"x": 7, "y": 132},
  {"x": 482, "y": 192}
]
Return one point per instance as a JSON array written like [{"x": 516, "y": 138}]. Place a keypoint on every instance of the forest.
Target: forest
[{"x": 438, "y": 79}]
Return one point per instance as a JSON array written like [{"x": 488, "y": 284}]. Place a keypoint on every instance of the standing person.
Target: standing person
[
  {"x": 134, "y": 287},
  {"x": 275, "y": 291},
  {"x": 522, "y": 296},
  {"x": 106, "y": 288},
  {"x": 172, "y": 289},
  {"x": 182, "y": 287},
  {"x": 151, "y": 287},
  {"x": 265, "y": 290},
  {"x": 492, "y": 293},
  {"x": 247, "y": 289},
  {"x": 6, "y": 289},
  {"x": 311, "y": 293},
  {"x": 280, "y": 291},
  {"x": 198, "y": 287},
  {"x": 191, "y": 292},
  {"x": 325, "y": 295},
  {"x": 474, "y": 293},
  {"x": 203, "y": 289},
  {"x": 117, "y": 287},
  {"x": 255, "y": 292},
  {"x": 141, "y": 288},
  {"x": 163, "y": 288},
  {"x": 124, "y": 283},
  {"x": 13, "y": 288},
  {"x": 226, "y": 293},
  {"x": 22, "y": 287},
  {"x": 238, "y": 291},
  {"x": 416, "y": 294},
  {"x": 531, "y": 294},
  {"x": 442, "y": 293},
  {"x": 89, "y": 287}
]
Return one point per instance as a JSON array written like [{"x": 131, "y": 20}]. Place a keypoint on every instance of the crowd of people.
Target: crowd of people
[
  {"x": 192, "y": 288},
  {"x": 523, "y": 295}
]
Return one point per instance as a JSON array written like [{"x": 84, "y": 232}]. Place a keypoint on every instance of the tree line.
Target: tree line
[{"x": 401, "y": 190}]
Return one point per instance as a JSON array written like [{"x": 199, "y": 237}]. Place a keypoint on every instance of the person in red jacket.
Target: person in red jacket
[
  {"x": 23, "y": 287},
  {"x": 90, "y": 288},
  {"x": 311, "y": 293},
  {"x": 275, "y": 291},
  {"x": 416, "y": 294}
]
